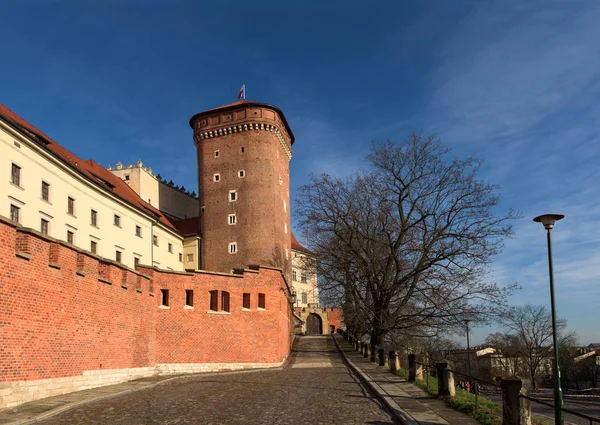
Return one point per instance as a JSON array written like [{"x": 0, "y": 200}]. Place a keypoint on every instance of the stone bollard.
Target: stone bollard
[
  {"x": 419, "y": 370},
  {"x": 386, "y": 362},
  {"x": 367, "y": 354},
  {"x": 381, "y": 356},
  {"x": 394, "y": 361},
  {"x": 445, "y": 380},
  {"x": 515, "y": 410}
]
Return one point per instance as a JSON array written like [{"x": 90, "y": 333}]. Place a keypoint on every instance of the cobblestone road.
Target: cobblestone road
[{"x": 315, "y": 388}]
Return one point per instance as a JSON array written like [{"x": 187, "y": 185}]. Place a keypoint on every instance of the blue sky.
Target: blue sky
[{"x": 515, "y": 83}]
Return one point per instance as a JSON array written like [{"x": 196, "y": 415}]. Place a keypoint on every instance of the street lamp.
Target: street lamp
[
  {"x": 468, "y": 351},
  {"x": 548, "y": 221}
]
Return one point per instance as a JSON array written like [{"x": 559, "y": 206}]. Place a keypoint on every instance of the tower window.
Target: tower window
[
  {"x": 232, "y": 219},
  {"x": 70, "y": 236},
  {"x": 118, "y": 256},
  {"x": 164, "y": 299},
  {"x": 44, "y": 224},
  {"x": 71, "y": 205},
  {"x": 126, "y": 176},
  {"x": 246, "y": 301},
  {"x": 232, "y": 196},
  {"x": 241, "y": 174},
  {"x": 45, "y": 191},
  {"x": 232, "y": 247},
  {"x": 93, "y": 247},
  {"x": 261, "y": 301},
  {"x": 94, "y": 218},
  {"x": 216, "y": 154},
  {"x": 216, "y": 177},
  {"x": 14, "y": 213},
  {"x": 15, "y": 175},
  {"x": 189, "y": 297},
  {"x": 117, "y": 220},
  {"x": 138, "y": 231},
  {"x": 242, "y": 149}
]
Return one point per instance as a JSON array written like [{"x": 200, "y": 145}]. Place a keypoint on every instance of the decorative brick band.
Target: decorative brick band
[{"x": 245, "y": 127}]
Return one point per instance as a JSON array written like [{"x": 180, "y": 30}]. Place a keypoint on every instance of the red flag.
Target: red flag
[{"x": 242, "y": 93}]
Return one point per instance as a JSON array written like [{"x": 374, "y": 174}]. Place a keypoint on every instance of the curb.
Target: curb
[
  {"x": 400, "y": 414},
  {"x": 69, "y": 406}
]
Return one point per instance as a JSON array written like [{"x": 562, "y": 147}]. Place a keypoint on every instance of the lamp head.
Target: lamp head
[{"x": 548, "y": 220}]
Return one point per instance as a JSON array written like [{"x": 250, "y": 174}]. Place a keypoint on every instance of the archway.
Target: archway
[{"x": 314, "y": 324}]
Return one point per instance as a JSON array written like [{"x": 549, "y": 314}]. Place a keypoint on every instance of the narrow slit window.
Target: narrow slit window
[
  {"x": 15, "y": 176},
  {"x": 232, "y": 219},
  {"x": 118, "y": 256},
  {"x": 246, "y": 301},
  {"x": 14, "y": 213},
  {"x": 214, "y": 300},
  {"x": 45, "y": 191},
  {"x": 180, "y": 257},
  {"x": 232, "y": 247},
  {"x": 70, "y": 236},
  {"x": 170, "y": 248},
  {"x": 71, "y": 205},
  {"x": 243, "y": 149},
  {"x": 117, "y": 220},
  {"x": 44, "y": 224},
  {"x": 241, "y": 174},
  {"x": 138, "y": 231},
  {"x": 216, "y": 177},
  {"x": 216, "y": 154},
  {"x": 93, "y": 247},
  {"x": 189, "y": 297},
  {"x": 155, "y": 240},
  {"x": 232, "y": 196},
  {"x": 136, "y": 262},
  {"x": 261, "y": 301},
  {"x": 94, "y": 218},
  {"x": 164, "y": 297},
  {"x": 225, "y": 301}
]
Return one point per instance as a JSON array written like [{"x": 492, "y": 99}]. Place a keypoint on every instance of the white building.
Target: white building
[{"x": 304, "y": 277}]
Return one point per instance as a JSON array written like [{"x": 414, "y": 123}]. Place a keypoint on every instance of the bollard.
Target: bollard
[
  {"x": 364, "y": 350},
  {"x": 412, "y": 367},
  {"x": 381, "y": 357},
  {"x": 511, "y": 388},
  {"x": 445, "y": 380},
  {"x": 418, "y": 369},
  {"x": 394, "y": 361},
  {"x": 368, "y": 351},
  {"x": 386, "y": 362}
]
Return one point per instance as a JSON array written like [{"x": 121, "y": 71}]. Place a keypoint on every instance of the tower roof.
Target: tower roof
[{"x": 245, "y": 103}]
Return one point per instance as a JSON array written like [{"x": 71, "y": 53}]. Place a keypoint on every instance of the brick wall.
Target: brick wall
[{"x": 67, "y": 313}]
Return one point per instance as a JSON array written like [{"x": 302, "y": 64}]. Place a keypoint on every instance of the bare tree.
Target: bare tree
[
  {"x": 508, "y": 352},
  {"x": 532, "y": 324},
  {"x": 405, "y": 243}
]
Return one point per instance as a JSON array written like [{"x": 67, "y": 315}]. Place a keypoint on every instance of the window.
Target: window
[
  {"x": 164, "y": 297},
  {"x": 14, "y": 213},
  {"x": 241, "y": 174},
  {"x": 242, "y": 149},
  {"x": 45, "y": 191},
  {"x": 136, "y": 262},
  {"x": 224, "y": 301},
  {"x": 180, "y": 257},
  {"x": 246, "y": 301},
  {"x": 214, "y": 300},
  {"x": 126, "y": 176},
  {"x": 216, "y": 177},
  {"x": 138, "y": 231},
  {"x": 15, "y": 176},
  {"x": 70, "y": 236},
  {"x": 117, "y": 220},
  {"x": 216, "y": 154},
  {"x": 294, "y": 275},
  {"x": 232, "y": 247},
  {"x": 94, "y": 218},
  {"x": 304, "y": 298},
  {"x": 155, "y": 240},
  {"x": 232, "y": 219},
  {"x": 303, "y": 277},
  {"x": 189, "y": 297},
  {"x": 232, "y": 196},
  {"x": 170, "y": 248},
  {"x": 118, "y": 256},
  {"x": 93, "y": 247},
  {"x": 44, "y": 226},
  {"x": 261, "y": 301},
  {"x": 71, "y": 205},
  {"x": 189, "y": 258}
]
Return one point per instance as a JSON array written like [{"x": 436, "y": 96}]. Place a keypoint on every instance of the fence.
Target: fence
[{"x": 516, "y": 399}]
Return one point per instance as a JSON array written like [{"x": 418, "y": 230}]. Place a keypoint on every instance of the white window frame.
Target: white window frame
[
  {"x": 217, "y": 153},
  {"x": 241, "y": 174},
  {"x": 233, "y": 247},
  {"x": 232, "y": 219},
  {"x": 216, "y": 177},
  {"x": 234, "y": 192}
]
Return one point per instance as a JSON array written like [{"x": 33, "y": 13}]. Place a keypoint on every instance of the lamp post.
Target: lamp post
[
  {"x": 548, "y": 221},
  {"x": 468, "y": 351}
]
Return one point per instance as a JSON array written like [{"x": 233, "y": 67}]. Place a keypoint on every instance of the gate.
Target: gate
[{"x": 314, "y": 325}]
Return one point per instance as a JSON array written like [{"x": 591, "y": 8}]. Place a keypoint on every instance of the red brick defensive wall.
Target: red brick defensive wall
[{"x": 71, "y": 320}]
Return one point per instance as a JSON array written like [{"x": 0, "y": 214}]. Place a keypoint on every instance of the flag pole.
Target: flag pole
[{"x": 244, "y": 91}]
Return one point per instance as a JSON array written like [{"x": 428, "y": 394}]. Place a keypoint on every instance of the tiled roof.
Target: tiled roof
[
  {"x": 188, "y": 226},
  {"x": 296, "y": 245},
  {"x": 88, "y": 168}
]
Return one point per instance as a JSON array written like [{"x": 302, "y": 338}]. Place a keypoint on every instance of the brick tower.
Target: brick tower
[{"x": 244, "y": 151}]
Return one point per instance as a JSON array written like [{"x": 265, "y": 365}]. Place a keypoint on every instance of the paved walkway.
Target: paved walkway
[
  {"x": 408, "y": 401},
  {"x": 315, "y": 388}
]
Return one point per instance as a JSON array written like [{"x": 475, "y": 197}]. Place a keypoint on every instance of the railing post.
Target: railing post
[
  {"x": 511, "y": 406},
  {"x": 381, "y": 356},
  {"x": 394, "y": 361},
  {"x": 445, "y": 380},
  {"x": 367, "y": 354},
  {"x": 386, "y": 362}
]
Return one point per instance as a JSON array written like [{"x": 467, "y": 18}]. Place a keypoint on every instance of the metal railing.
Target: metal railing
[{"x": 569, "y": 411}]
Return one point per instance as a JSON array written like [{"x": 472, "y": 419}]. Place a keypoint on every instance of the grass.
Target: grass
[{"x": 487, "y": 412}]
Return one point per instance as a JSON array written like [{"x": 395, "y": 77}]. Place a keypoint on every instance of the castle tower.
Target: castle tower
[{"x": 244, "y": 151}]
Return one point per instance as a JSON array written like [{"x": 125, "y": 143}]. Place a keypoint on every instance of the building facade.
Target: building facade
[{"x": 304, "y": 276}]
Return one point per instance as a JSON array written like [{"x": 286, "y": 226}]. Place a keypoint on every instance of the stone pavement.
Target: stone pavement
[
  {"x": 315, "y": 388},
  {"x": 409, "y": 402}
]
